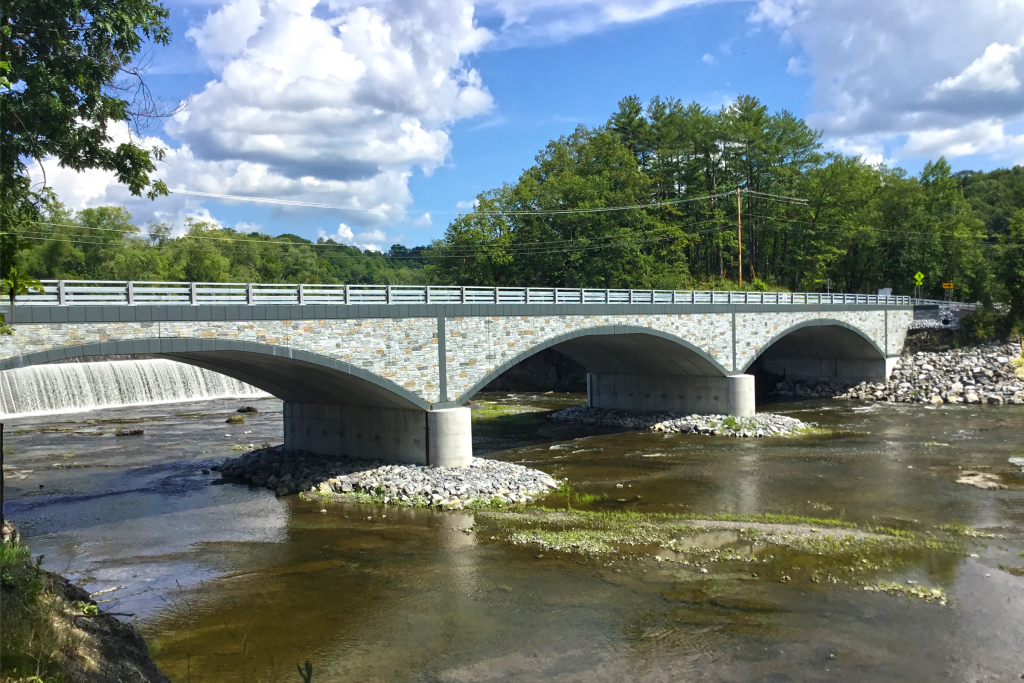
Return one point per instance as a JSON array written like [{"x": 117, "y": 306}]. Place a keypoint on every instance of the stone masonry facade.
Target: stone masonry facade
[{"x": 405, "y": 350}]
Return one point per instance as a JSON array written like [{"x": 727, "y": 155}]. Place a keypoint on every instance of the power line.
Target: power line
[{"x": 511, "y": 212}]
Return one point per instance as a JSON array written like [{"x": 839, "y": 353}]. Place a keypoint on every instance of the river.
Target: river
[{"x": 230, "y": 583}]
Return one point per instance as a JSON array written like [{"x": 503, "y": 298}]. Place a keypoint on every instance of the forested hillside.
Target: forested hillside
[{"x": 809, "y": 217}]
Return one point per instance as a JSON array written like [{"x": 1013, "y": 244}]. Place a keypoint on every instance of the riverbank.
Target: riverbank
[
  {"x": 54, "y": 630},
  {"x": 483, "y": 482},
  {"x": 992, "y": 373},
  {"x": 757, "y": 426},
  {"x": 987, "y": 374}
]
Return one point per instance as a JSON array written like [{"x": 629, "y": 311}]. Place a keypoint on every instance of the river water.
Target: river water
[{"x": 232, "y": 584}]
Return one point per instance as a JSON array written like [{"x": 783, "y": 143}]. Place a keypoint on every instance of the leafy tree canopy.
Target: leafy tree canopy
[{"x": 68, "y": 75}]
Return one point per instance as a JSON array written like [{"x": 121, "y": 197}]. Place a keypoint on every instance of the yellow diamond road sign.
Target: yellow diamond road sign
[{"x": 919, "y": 278}]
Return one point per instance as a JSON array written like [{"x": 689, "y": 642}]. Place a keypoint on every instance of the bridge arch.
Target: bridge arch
[
  {"x": 618, "y": 350},
  {"x": 292, "y": 375},
  {"x": 822, "y": 349}
]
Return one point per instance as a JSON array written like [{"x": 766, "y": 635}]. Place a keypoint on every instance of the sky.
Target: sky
[{"x": 398, "y": 113}]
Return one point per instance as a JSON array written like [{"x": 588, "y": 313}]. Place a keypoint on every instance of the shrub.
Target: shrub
[{"x": 978, "y": 326}]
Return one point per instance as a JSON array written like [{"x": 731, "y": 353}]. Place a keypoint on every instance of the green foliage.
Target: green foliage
[
  {"x": 86, "y": 608},
  {"x": 31, "y": 645},
  {"x": 17, "y": 282},
  {"x": 863, "y": 227},
  {"x": 68, "y": 83},
  {"x": 104, "y": 243},
  {"x": 978, "y": 326}
]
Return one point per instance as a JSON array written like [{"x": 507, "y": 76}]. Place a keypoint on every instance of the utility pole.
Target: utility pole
[{"x": 739, "y": 235}]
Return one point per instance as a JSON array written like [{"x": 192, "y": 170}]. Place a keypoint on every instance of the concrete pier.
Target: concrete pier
[
  {"x": 681, "y": 394},
  {"x": 437, "y": 437}
]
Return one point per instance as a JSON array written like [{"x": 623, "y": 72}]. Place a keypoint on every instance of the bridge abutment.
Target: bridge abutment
[
  {"x": 417, "y": 437},
  {"x": 682, "y": 394}
]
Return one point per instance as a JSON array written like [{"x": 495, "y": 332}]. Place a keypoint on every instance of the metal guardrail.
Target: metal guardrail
[{"x": 105, "y": 292}]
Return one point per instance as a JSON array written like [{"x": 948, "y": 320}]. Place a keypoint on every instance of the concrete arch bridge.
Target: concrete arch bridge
[{"x": 383, "y": 372}]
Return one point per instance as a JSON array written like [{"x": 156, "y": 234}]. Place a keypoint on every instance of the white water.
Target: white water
[{"x": 77, "y": 387}]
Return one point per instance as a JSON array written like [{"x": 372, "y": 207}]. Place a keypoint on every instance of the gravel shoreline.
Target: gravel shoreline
[
  {"x": 985, "y": 374},
  {"x": 489, "y": 482},
  {"x": 760, "y": 425}
]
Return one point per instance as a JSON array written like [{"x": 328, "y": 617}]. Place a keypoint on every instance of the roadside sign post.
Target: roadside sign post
[
  {"x": 919, "y": 285},
  {"x": 947, "y": 289}
]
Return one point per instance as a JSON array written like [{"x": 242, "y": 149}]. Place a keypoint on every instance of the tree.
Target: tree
[
  {"x": 67, "y": 77},
  {"x": 17, "y": 283},
  {"x": 1011, "y": 267}
]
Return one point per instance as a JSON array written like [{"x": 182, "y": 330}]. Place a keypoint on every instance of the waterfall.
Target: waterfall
[{"x": 76, "y": 387}]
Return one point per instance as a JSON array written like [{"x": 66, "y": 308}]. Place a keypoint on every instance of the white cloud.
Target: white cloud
[
  {"x": 994, "y": 70},
  {"x": 243, "y": 226},
  {"x": 333, "y": 103},
  {"x": 423, "y": 221},
  {"x": 467, "y": 204},
  {"x": 531, "y": 21},
  {"x": 369, "y": 239},
  {"x": 923, "y": 78},
  {"x": 708, "y": 58}
]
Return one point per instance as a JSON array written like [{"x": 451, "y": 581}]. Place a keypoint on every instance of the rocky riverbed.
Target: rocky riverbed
[
  {"x": 760, "y": 425},
  {"x": 482, "y": 482},
  {"x": 986, "y": 374}
]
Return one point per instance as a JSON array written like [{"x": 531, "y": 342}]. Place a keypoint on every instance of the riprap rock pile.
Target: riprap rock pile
[
  {"x": 977, "y": 375},
  {"x": 453, "y": 487},
  {"x": 760, "y": 425}
]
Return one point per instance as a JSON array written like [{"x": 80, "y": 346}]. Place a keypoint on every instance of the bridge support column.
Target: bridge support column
[
  {"x": 681, "y": 394},
  {"x": 449, "y": 437},
  {"x": 417, "y": 437}
]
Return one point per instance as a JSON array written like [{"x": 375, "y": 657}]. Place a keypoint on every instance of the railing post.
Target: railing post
[
  {"x": 427, "y": 294},
  {"x": 302, "y": 295},
  {"x": 462, "y": 295},
  {"x": 496, "y": 295},
  {"x": 130, "y": 293},
  {"x": 61, "y": 300},
  {"x": 192, "y": 293},
  {"x": 527, "y": 295},
  {"x": 387, "y": 294},
  {"x": 248, "y": 294},
  {"x": 631, "y": 296},
  {"x": 346, "y": 295}
]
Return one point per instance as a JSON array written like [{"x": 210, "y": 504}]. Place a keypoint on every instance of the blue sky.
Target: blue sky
[{"x": 405, "y": 107}]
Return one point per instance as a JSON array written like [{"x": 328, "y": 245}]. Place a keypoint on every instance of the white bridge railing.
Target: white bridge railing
[{"x": 103, "y": 292}]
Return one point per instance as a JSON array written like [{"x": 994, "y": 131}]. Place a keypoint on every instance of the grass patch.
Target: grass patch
[
  {"x": 488, "y": 410},
  {"x": 788, "y": 548},
  {"x": 958, "y": 528},
  {"x": 771, "y": 518},
  {"x": 1016, "y": 571},
  {"x": 33, "y": 642},
  {"x": 909, "y": 590}
]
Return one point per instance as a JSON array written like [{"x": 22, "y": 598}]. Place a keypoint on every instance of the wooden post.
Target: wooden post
[{"x": 739, "y": 235}]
